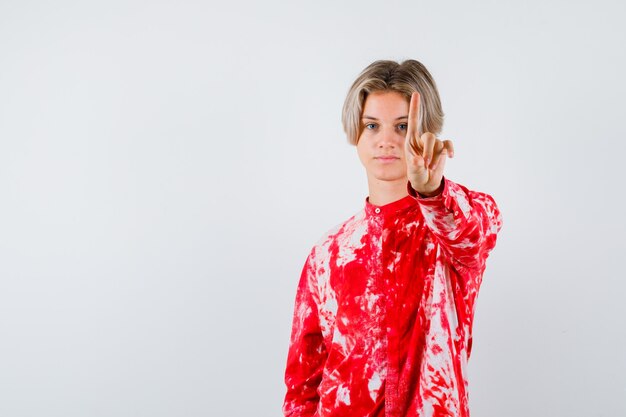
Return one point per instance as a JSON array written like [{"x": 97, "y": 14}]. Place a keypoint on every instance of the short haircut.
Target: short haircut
[{"x": 404, "y": 78}]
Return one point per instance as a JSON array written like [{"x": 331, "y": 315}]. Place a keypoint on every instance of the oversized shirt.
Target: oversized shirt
[{"x": 383, "y": 315}]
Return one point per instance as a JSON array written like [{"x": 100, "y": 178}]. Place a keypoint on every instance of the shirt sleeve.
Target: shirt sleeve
[
  {"x": 464, "y": 222},
  {"x": 307, "y": 352}
]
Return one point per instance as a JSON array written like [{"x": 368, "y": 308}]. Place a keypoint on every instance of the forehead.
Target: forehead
[{"x": 385, "y": 104}]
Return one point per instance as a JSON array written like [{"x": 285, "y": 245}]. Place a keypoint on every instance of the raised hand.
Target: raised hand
[{"x": 425, "y": 154}]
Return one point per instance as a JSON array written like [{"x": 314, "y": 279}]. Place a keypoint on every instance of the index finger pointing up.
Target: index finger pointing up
[{"x": 414, "y": 113}]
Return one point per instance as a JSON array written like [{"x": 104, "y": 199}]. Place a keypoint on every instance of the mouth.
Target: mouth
[{"x": 386, "y": 158}]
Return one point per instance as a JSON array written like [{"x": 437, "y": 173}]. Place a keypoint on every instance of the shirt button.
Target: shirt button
[{"x": 377, "y": 210}]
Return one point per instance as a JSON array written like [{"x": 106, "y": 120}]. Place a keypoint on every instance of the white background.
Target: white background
[{"x": 165, "y": 167}]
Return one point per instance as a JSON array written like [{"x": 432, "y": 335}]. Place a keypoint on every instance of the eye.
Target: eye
[
  {"x": 370, "y": 126},
  {"x": 403, "y": 126}
]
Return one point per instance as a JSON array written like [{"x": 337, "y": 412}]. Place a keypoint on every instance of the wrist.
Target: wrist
[{"x": 425, "y": 193}]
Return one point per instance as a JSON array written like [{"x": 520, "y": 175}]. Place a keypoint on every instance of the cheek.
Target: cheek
[{"x": 361, "y": 152}]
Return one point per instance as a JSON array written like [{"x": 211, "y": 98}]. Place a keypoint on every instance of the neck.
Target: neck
[{"x": 385, "y": 192}]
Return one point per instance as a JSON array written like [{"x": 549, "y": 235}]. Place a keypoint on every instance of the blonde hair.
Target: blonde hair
[{"x": 404, "y": 78}]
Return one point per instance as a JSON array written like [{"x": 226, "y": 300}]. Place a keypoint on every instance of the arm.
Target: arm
[
  {"x": 464, "y": 222},
  {"x": 307, "y": 352}
]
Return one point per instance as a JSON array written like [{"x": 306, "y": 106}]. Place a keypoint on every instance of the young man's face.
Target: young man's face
[{"x": 381, "y": 143}]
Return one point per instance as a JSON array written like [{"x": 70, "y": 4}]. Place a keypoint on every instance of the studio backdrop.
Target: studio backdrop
[{"x": 165, "y": 168}]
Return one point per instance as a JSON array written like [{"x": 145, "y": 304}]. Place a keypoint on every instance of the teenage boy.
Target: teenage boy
[{"x": 383, "y": 314}]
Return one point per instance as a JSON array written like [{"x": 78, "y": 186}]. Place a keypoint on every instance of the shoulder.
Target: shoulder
[{"x": 337, "y": 237}]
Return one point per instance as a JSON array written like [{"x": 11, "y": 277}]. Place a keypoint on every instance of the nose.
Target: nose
[{"x": 389, "y": 138}]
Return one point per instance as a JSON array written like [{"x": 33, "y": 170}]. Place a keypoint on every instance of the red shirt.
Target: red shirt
[{"x": 383, "y": 314}]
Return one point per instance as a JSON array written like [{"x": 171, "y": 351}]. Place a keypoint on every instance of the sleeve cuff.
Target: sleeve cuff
[{"x": 439, "y": 195}]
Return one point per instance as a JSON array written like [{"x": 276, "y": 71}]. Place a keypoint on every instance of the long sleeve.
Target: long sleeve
[
  {"x": 307, "y": 352},
  {"x": 464, "y": 222},
  {"x": 384, "y": 309}
]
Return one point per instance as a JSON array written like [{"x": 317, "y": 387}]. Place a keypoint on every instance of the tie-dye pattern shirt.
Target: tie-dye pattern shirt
[{"x": 384, "y": 308}]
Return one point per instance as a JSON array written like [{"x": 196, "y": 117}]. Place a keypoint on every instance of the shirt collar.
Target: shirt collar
[{"x": 389, "y": 208}]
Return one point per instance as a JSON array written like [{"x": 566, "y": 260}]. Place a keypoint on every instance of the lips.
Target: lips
[{"x": 386, "y": 158}]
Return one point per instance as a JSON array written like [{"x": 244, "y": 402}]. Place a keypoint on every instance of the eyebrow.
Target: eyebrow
[{"x": 373, "y": 118}]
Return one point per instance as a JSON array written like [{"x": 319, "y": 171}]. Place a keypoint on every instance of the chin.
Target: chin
[
  {"x": 390, "y": 176},
  {"x": 392, "y": 179}
]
